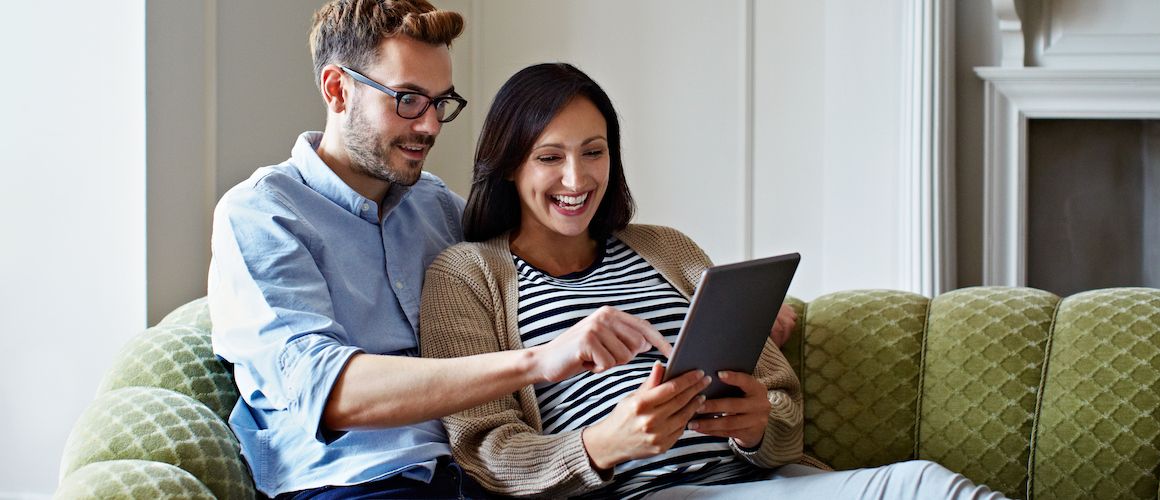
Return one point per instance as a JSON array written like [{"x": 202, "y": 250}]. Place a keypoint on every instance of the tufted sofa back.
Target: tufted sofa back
[
  {"x": 1035, "y": 396},
  {"x": 1032, "y": 395}
]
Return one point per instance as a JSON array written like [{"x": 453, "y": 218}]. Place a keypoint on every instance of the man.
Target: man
[{"x": 317, "y": 269}]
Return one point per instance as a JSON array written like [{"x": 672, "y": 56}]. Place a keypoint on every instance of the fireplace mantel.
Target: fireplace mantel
[{"x": 1012, "y": 96}]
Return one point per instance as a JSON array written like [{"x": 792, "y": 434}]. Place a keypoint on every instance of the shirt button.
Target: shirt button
[
  {"x": 399, "y": 285},
  {"x": 366, "y": 206}
]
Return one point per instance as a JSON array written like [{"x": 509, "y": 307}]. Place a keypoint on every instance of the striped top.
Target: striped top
[
  {"x": 621, "y": 278},
  {"x": 470, "y": 306}
]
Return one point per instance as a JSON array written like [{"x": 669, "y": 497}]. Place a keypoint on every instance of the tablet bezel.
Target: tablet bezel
[{"x": 732, "y": 299}]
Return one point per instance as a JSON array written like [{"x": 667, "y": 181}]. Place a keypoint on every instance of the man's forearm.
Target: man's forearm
[{"x": 376, "y": 391}]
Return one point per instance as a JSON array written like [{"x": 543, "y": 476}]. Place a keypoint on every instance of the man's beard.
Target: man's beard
[{"x": 370, "y": 155}]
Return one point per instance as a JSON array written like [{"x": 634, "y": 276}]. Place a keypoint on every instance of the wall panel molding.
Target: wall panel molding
[
  {"x": 1109, "y": 34},
  {"x": 927, "y": 246}
]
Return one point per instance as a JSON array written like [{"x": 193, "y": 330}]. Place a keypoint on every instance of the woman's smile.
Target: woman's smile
[{"x": 570, "y": 204}]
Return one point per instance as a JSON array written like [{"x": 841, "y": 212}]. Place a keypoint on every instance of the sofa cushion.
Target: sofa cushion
[
  {"x": 860, "y": 376},
  {"x": 178, "y": 358},
  {"x": 1098, "y": 432},
  {"x": 131, "y": 479},
  {"x": 147, "y": 423},
  {"x": 195, "y": 313},
  {"x": 984, "y": 355}
]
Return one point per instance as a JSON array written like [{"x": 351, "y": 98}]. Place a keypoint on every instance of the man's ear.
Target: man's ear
[{"x": 333, "y": 88}]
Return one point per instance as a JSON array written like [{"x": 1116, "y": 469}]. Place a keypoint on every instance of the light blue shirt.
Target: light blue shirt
[{"x": 304, "y": 275}]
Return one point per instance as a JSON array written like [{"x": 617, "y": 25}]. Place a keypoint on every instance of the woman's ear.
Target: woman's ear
[{"x": 333, "y": 88}]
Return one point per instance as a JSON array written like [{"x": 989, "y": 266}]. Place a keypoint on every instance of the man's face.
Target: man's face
[{"x": 381, "y": 144}]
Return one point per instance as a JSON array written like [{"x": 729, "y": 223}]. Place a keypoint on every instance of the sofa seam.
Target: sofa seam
[
  {"x": 921, "y": 378},
  {"x": 1034, "y": 438}
]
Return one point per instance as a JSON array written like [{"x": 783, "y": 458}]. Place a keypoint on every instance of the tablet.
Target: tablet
[{"x": 729, "y": 319}]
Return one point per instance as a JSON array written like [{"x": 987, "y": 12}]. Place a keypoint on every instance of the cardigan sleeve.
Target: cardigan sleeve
[
  {"x": 782, "y": 443},
  {"x": 498, "y": 443}
]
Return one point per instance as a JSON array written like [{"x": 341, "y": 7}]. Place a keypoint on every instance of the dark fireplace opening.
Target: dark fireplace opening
[{"x": 1093, "y": 204}]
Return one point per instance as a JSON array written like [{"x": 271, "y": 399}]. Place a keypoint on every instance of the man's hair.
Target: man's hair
[
  {"x": 349, "y": 32},
  {"x": 522, "y": 109}
]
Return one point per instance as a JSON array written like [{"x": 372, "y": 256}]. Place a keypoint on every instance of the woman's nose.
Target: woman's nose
[{"x": 572, "y": 173}]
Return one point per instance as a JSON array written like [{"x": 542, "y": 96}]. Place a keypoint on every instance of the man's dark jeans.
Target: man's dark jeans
[{"x": 450, "y": 481}]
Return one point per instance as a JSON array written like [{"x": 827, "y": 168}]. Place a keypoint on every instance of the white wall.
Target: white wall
[
  {"x": 861, "y": 183},
  {"x": 230, "y": 88},
  {"x": 789, "y": 132},
  {"x": 826, "y": 79},
  {"x": 72, "y": 209}
]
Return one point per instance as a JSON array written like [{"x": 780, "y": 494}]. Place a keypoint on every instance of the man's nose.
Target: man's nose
[{"x": 428, "y": 122}]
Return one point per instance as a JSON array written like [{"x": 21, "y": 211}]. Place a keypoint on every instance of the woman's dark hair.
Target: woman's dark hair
[{"x": 524, "y": 106}]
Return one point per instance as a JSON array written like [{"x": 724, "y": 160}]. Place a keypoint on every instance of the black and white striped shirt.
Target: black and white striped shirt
[{"x": 621, "y": 278}]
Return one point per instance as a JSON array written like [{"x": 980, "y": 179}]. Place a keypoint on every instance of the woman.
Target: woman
[{"x": 548, "y": 221}]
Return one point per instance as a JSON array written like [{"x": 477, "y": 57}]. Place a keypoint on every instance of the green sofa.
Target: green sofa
[{"x": 1035, "y": 396}]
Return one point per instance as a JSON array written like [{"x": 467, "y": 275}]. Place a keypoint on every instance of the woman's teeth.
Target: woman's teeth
[{"x": 570, "y": 202}]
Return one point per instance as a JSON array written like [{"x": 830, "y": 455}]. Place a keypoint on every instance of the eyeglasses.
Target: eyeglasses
[{"x": 411, "y": 105}]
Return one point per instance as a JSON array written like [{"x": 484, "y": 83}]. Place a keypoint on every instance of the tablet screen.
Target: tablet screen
[{"x": 730, "y": 315}]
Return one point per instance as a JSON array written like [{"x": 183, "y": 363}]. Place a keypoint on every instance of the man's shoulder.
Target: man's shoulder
[
  {"x": 268, "y": 187},
  {"x": 431, "y": 185},
  {"x": 267, "y": 181},
  {"x": 430, "y": 179}
]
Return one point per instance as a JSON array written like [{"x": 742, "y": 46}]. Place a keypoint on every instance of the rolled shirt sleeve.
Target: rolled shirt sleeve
[{"x": 271, "y": 308}]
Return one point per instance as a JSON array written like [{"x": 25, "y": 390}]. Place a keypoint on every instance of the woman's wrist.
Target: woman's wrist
[
  {"x": 746, "y": 447},
  {"x": 599, "y": 455},
  {"x": 532, "y": 360}
]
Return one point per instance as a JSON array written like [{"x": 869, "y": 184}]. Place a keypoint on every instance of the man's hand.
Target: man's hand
[
  {"x": 647, "y": 422},
  {"x": 744, "y": 418},
  {"x": 606, "y": 338},
  {"x": 783, "y": 326}
]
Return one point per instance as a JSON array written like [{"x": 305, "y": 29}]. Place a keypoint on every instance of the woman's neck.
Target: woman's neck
[{"x": 554, "y": 254}]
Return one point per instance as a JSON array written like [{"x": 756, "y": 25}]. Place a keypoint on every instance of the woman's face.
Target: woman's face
[{"x": 565, "y": 175}]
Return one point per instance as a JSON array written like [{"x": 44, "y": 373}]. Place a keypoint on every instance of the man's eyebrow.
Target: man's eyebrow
[{"x": 420, "y": 89}]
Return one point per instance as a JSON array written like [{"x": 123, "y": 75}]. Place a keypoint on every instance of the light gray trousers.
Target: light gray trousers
[{"x": 916, "y": 479}]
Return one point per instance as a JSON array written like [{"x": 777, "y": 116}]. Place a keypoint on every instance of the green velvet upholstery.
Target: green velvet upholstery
[
  {"x": 860, "y": 376},
  {"x": 159, "y": 425},
  {"x": 179, "y": 358},
  {"x": 1032, "y": 395},
  {"x": 1099, "y": 427},
  {"x": 132, "y": 479},
  {"x": 981, "y": 370}
]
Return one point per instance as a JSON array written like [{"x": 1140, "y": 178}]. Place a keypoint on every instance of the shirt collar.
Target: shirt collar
[{"x": 319, "y": 177}]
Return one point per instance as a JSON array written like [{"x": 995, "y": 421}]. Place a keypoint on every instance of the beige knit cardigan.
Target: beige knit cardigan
[{"x": 468, "y": 307}]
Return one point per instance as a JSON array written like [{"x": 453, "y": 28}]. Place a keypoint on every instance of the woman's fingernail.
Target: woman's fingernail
[{"x": 693, "y": 426}]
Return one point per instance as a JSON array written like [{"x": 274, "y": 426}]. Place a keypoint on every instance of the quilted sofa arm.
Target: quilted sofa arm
[{"x": 157, "y": 428}]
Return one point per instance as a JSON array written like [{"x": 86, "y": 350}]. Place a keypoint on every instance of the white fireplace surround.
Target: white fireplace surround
[
  {"x": 1088, "y": 72},
  {"x": 1015, "y": 95}
]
